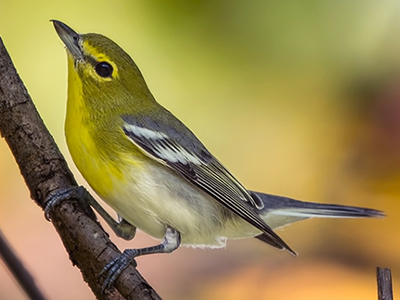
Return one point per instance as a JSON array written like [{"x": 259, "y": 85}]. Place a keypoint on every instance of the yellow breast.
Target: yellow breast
[{"x": 97, "y": 166}]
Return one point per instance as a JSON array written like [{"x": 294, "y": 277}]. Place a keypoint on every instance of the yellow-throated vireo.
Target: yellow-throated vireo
[{"x": 152, "y": 170}]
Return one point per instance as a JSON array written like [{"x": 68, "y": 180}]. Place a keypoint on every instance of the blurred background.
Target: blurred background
[{"x": 296, "y": 98}]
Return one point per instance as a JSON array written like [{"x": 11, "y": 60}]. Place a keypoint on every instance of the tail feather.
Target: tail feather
[
  {"x": 279, "y": 211},
  {"x": 329, "y": 211}
]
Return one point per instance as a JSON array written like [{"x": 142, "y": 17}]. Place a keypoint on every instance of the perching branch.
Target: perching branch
[{"x": 45, "y": 170}]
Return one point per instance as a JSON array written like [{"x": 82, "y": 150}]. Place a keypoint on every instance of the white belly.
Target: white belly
[{"x": 157, "y": 198}]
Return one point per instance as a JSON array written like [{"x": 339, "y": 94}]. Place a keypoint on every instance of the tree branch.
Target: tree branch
[
  {"x": 45, "y": 170},
  {"x": 384, "y": 279},
  {"x": 20, "y": 273}
]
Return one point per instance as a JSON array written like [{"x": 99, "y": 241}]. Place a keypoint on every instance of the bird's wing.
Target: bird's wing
[{"x": 181, "y": 151}]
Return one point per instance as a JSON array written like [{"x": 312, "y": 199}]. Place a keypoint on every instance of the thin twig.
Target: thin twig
[
  {"x": 18, "y": 270},
  {"x": 384, "y": 278}
]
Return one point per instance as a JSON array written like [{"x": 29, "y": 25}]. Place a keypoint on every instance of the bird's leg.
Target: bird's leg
[
  {"x": 170, "y": 242},
  {"x": 122, "y": 229}
]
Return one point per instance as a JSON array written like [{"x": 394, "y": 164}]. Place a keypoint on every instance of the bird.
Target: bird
[{"x": 153, "y": 171}]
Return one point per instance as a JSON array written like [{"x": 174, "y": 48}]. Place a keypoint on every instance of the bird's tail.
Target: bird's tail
[
  {"x": 279, "y": 211},
  {"x": 283, "y": 206}
]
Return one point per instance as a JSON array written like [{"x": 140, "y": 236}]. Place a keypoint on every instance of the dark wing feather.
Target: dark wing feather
[{"x": 185, "y": 154}]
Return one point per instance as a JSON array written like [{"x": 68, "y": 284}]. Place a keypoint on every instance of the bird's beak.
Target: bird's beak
[{"x": 70, "y": 38}]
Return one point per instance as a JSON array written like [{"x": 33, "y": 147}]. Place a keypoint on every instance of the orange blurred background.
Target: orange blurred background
[{"x": 296, "y": 98}]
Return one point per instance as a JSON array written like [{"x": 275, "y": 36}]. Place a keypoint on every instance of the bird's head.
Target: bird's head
[{"x": 101, "y": 71}]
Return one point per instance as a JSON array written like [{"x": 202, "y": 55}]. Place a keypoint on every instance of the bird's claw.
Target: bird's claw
[
  {"x": 56, "y": 197},
  {"x": 117, "y": 266}
]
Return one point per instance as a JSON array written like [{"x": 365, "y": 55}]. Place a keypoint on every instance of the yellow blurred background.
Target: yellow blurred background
[{"x": 296, "y": 98}]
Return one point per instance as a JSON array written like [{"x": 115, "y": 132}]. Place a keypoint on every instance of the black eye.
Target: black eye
[{"x": 104, "y": 69}]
